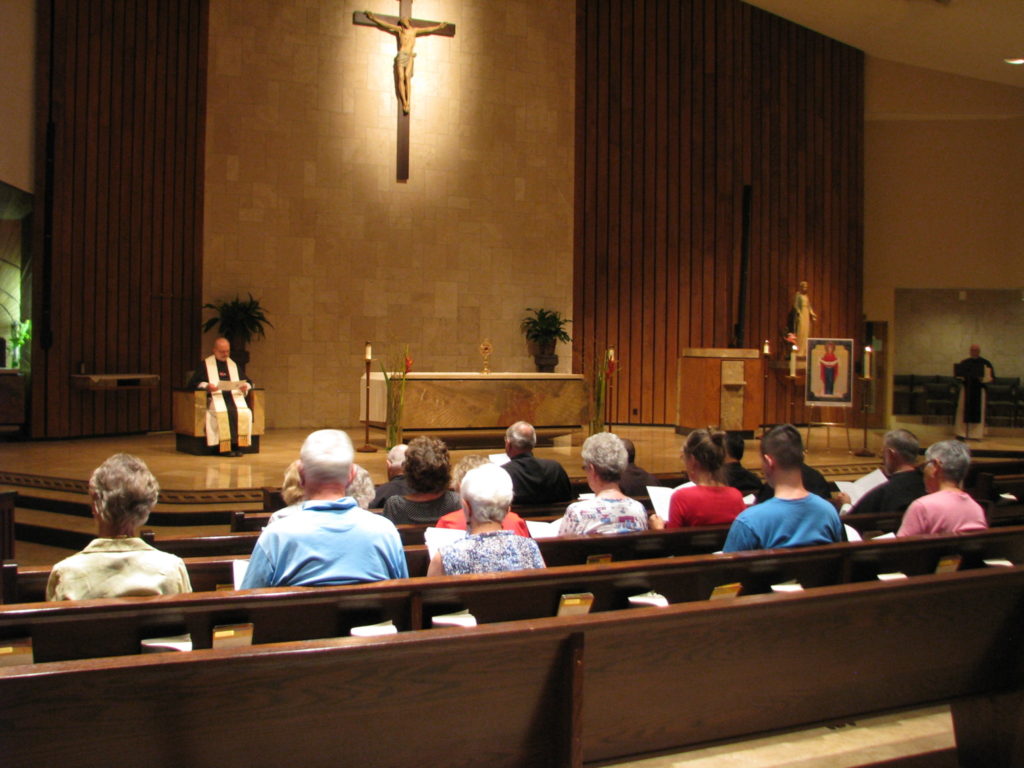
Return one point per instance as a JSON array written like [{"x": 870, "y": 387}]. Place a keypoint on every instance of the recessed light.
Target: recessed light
[{"x": 1015, "y": 62}]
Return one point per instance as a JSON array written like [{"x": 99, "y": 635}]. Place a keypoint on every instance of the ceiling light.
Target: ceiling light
[{"x": 1016, "y": 62}]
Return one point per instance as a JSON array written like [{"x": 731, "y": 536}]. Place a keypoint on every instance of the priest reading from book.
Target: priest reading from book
[{"x": 228, "y": 418}]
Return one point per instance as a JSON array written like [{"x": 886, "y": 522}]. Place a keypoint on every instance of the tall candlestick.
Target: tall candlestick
[
  {"x": 868, "y": 354},
  {"x": 792, "y": 361},
  {"x": 766, "y": 348},
  {"x": 369, "y": 352}
]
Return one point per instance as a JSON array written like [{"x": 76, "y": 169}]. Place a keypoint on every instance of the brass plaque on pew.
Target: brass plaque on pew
[
  {"x": 232, "y": 635},
  {"x": 16, "y": 651}
]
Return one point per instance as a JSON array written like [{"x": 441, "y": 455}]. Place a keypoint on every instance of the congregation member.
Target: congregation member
[
  {"x": 811, "y": 479},
  {"x": 709, "y": 501},
  {"x": 793, "y": 517},
  {"x": 428, "y": 474},
  {"x": 946, "y": 508},
  {"x": 534, "y": 481},
  {"x": 395, "y": 485},
  {"x": 360, "y": 489},
  {"x": 330, "y": 540},
  {"x": 635, "y": 480},
  {"x": 228, "y": 418},
  {"x": 610, "y": 510},
  {"x": 900, "y": 449},
  {"x": 457, "y": 520},
  {"x": 736, "y": 475},
  {"x": 486, "y": 496},
  {"x": 117, "y": 563}
]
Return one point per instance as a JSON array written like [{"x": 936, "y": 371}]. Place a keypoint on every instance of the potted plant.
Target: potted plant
[
  {"x": 239, "y": 321},
  {"x": 544, "y": 328}
]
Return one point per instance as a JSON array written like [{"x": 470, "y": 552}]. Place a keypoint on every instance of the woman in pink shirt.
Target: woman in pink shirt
[
  {"x": 709, "y": 501},
  {"x": 946, "y": 508}
]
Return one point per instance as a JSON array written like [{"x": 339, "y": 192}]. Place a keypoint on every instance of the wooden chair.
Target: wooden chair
[{"x": 189, "y": 419}]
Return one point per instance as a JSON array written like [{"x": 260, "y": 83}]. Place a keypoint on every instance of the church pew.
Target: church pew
[
  {"x": 113, "y": 627},
  {"x": 7, "y": 499},
  {"x": 614, "y": 685}
]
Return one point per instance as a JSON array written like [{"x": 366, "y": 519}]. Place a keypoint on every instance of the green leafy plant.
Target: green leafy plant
[
  {"x": 545, "y": 326},
  {"x": 21, "y": 334},
  {"x": 238, "y": 320}
]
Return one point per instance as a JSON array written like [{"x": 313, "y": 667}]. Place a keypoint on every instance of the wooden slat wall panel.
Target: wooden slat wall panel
[
  {"x": 123, "y": 85},
  {"x": 680, "y": 105}
]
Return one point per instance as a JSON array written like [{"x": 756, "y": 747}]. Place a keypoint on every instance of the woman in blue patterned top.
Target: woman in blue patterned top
[{"x": 486, "y": 497}]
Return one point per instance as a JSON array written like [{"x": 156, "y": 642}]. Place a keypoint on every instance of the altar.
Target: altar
[{"x": 477, "y": 401}]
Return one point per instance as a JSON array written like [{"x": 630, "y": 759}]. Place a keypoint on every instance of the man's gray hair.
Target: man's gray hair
[
  {"x": 521, "y": 436},
  {"x": 605, "y": 452},
  {"x": 487, "y": 493},
  {"x": 396, "y": 456},
  {"x": 904, "y": 442},
  {"x": 327, "y": 457},
  {"x": 123, "y": 490},
  {"x": 953, "y": 456}
]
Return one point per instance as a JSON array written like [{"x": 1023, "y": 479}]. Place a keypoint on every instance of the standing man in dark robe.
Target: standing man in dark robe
[
  {"x": 975, "y": 371},
  {"x": 228, "y": 418}
]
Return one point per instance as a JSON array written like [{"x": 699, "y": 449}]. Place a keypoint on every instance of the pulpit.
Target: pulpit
[
  {"x": 190, "y": 421},
  {"x": 719, "y": 388}
]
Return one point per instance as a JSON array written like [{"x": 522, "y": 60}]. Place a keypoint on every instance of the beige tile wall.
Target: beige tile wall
[{"x": 303, "y": 210}]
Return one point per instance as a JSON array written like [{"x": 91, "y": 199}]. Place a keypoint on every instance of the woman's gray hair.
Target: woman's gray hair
[
  {"x": 606, "y": 454},
  {"x": 952, "y": 456},
  {"x": 486, "y": 492},
  {"x": 123, "y": 491},
  {"x": 361, "y": 488}
]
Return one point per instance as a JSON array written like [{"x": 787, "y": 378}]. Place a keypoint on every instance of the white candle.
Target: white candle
[
  {"x": 369, "y": 352},
  {"x": 868, "y": 354},
  {"x": 611, "y": 354},
  {"x": 766, "y": 348},
  {"x": 792, "y": 361}
]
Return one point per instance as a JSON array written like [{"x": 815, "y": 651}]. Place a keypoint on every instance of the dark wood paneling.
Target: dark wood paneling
[
  {"x": 679, "y": 106},
  {"x": 123, "y": 86}
]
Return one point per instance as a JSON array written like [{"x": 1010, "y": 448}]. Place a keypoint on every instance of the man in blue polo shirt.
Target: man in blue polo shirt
[
  {"x": 330, "y": 540},
  {"x": 794, "y": 517}
]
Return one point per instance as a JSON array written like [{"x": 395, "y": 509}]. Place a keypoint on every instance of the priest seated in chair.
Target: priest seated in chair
[{"x": 228, "y": 418}]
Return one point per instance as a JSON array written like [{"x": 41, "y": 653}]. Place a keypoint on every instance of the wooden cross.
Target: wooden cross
[{"x": 406, "y": 36}]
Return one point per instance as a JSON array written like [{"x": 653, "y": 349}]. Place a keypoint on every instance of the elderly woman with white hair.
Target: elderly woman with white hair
[
  {"x": 486, "y": 494},
  {"x": 610, "y": 510},
  {"x": 945, "y": 508},
  {"x": 117, "y": 563}
]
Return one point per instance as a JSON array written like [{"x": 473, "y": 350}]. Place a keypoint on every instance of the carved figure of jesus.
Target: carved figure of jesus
[{"x": 406, "y": 35}]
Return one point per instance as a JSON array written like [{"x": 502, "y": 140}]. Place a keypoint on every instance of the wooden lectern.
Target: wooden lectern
[
  {"x": 719, "y": 388},
  {"x": 190, "y": 421}
]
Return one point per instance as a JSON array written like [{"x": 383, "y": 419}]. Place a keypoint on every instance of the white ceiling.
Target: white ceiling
[{"x": 965, "y": 37}]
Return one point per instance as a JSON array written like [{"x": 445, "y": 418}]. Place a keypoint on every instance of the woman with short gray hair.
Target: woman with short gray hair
[
  {"x": 610, "y": 510},
  {"x": 945, "y": 508},
  {"x": 117, "y": 563}
]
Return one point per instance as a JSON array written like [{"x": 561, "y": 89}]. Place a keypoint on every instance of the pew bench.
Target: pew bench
[{"x": 548, "y": 692}]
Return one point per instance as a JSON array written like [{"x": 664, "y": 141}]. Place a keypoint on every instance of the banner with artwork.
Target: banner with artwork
[{"x": 829, "y": 373}]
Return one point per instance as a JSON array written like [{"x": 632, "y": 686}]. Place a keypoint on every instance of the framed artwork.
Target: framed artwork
[{"x": 829, "y": 373}]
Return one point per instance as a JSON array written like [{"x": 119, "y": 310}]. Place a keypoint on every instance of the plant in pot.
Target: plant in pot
[
  {"x": 544, "y": 328},
  {"x": 239, "y": 321}
]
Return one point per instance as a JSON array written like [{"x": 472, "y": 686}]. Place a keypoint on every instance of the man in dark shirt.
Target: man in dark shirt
[
  {"x": 736, "y": 475},
  {"x": 900, "y": 449},
  {"x": 396, "y": 485},
  {"x": 634, "y": 480},
  {"x": 534, "y": 481}
]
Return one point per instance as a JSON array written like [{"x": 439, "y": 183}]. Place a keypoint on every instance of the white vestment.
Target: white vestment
[{"x": 218, "y": 428}]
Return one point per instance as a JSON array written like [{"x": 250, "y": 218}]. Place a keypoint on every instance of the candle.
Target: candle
[
  {"x": 611, "y": 354},
  {"x": 792, "y": 361},
  {"x": 766, "y": 348},
  {"x": 868, "y": 353},
  {"x": 369, "y": 352}
]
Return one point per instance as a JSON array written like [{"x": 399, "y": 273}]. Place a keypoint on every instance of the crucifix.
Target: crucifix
[{"x": 405, "y": 29}]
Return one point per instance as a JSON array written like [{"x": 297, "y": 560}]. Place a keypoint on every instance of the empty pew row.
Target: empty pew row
[
  {"x": 547, "y": 692},
  {"x": 94, "y": 628}
]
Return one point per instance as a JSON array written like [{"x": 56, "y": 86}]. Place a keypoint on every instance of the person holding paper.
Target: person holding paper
[
  {"x": 610, "y": 510},
  {"x": 331, "y": 540},
  {"x": 793, "y": 517},
  {"x": 709, "y": 501},
  {"x": 900, "y": 450},
  {"x": 228, "y": 418},
  {"x": 457, "y": 520},
  {"x": 486, "y": 496},
  {"x": 117, "y": 563},
  {"x": 946, "y": 508}
]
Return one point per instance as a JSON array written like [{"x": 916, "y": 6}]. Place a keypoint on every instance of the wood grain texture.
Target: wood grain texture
[
  {"x": 121, "y": 289},
  {"x": 680, "y": 106}
]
